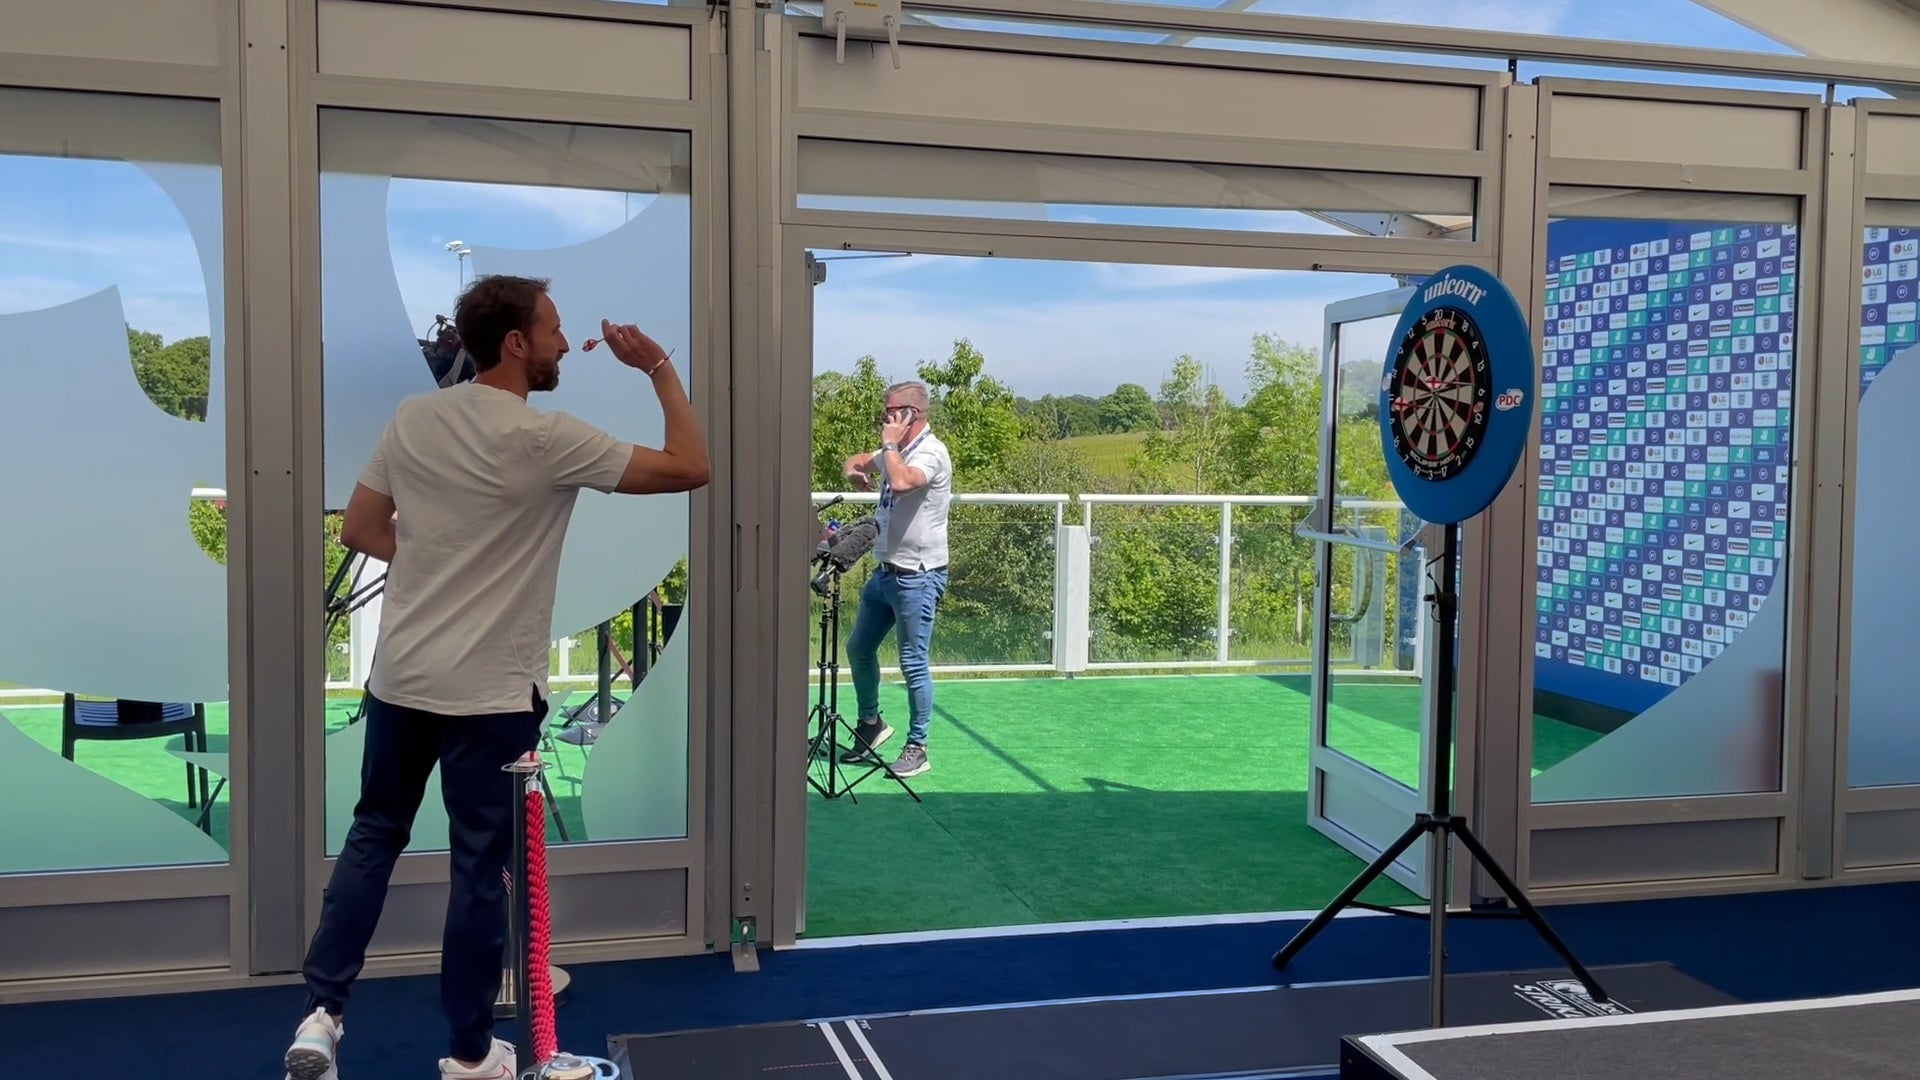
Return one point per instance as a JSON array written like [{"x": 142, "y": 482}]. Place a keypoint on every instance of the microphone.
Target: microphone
[
  {"x": 831, "y": 503},
  {"x": 850, "y": 543},
  {"x": 841, "y": 550}
]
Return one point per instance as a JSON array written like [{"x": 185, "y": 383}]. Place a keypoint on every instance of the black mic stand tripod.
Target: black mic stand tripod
[
  {"x": 826, "y": 721},
  {"x": 1439, "y": 824}
]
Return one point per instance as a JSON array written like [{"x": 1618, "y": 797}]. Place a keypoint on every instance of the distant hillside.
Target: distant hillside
[{"x": 1108, "y": 454}]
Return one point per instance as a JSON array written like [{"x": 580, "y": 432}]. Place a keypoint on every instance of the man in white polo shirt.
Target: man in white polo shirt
[
  {"x": 467, "y": 498},
  {"x": 916, "y": 482}
]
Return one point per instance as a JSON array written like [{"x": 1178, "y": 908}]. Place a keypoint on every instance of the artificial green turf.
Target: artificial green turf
[
  {"x": 1050, "y": 800},
  {"x": 145, "y": 766},
  {"x": 1102, "y": 798}
]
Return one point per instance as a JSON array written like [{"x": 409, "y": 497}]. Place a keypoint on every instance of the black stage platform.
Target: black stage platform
[
  {"x": 1863, "y": 1037},
  {"x": 1243, "y": 1033}
]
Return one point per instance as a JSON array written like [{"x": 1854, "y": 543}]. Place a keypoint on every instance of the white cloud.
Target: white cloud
[
  {"x": 172, "y": 310},
  {"x": 1083, "y": 345},
  {"x": 578, "y": 214},
  {"x": 157, "y": 271}
]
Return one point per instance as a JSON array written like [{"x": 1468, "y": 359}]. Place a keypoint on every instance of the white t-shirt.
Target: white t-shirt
[
  {"x": 485, "y": 486},
  {"x": 913, "y": 525}
]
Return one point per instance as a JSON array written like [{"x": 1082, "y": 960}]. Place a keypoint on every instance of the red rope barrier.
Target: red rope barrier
[{"x": 546, "y": 1042}]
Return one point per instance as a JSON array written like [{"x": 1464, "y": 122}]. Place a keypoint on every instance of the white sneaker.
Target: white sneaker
[
  {"x": 314, "y": 1044},
  {"x": 500, "y": 1065}
]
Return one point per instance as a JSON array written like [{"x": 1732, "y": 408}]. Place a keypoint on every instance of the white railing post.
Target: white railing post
[
  {"x": 1223, "y": 633},
  {"x": 363, "y": 626},
  {"x": 1072, "y": 599}
]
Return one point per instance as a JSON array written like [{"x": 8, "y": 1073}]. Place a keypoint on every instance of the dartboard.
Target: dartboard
[{"x": 1439, "y": 389}]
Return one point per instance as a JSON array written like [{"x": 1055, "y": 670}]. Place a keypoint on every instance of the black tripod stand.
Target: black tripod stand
[
  {"x": 1439, "y": 824},
  {"x": 823, "y": 747}
]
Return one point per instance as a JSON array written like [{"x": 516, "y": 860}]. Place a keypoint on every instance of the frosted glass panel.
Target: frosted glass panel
[
  {"x": 113, "y": 584},
  {"x": 1664, "y": 472},
  {"x": 413, "y": 208},
  {"x": 1883, "y": 747}
]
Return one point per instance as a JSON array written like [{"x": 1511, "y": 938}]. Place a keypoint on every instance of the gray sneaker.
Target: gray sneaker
[
  {"x": 869, "y": 735},
  {"x": 911, "y": 762}
]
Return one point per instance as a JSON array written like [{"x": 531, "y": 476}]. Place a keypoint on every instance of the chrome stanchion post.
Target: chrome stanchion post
[{"x": 525, "y": 772}]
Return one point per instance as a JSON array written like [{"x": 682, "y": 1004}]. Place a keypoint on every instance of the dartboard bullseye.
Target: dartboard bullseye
[{"x": 1439, "y": 393}]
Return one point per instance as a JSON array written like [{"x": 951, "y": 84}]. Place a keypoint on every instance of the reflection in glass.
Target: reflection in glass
[
  {"x": 1663, "y": 478},
  {"x": 1881, "y": 747},
  {"x": 412, "y": 209},
  {"x": 113, "y": 585},
  {"x": 1376, "y": 627}
]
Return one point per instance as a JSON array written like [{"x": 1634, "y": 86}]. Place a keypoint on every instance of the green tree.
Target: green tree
[
  {"x": 1272, "y": 444},
  {"x": 208, "y": 520},
  {"x": 999, "y": 602},
  {"x": 1154, "y": 581},
  {"x": 1055, "y": 417},
  {"x": 846, "y": 419},
  {"x": 1128, "y": 408},
  {"x": 973, "y": 412},
  {"x": 1188, "y": 453},
  {"x": 176, "y": 377},
  {"x": 1273, "y": 447}
]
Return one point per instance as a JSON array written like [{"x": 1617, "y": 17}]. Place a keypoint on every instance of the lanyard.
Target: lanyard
[{"x": 886, "y": 485}]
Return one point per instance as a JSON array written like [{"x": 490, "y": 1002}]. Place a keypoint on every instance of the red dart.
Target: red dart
[{"x": 588, "y": 345}]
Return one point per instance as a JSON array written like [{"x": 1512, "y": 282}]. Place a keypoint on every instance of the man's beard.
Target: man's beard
[{"x": 545, "y": 379}]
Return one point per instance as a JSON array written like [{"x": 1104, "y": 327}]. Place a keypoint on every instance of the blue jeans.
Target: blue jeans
[
  {"x": 902, "y": 602},
  {"x": 403, "y": 746}
]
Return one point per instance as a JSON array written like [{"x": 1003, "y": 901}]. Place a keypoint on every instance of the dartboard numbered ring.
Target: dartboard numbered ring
[
  {"x": 1456, "y": 398},
  {"x": 1440, "y": 394}
]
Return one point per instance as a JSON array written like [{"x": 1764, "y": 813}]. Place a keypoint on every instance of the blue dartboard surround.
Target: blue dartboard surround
[{"x": 1450, "y": 496}]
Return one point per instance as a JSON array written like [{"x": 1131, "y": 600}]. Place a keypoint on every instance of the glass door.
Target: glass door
[{"x": 1369, "y": 742}]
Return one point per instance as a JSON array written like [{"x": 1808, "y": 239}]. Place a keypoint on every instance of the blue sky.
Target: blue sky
[{"x": 70, "y": 228}]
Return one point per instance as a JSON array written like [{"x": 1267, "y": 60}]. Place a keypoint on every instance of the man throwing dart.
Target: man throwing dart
[
  {"x": 467, "y": 499},
  {"x": 916, "y": 481}
]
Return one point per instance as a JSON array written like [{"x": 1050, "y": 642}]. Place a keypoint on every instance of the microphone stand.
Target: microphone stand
[{"x": 826, "y": 720}]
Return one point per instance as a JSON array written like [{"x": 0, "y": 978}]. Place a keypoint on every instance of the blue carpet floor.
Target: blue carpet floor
[{"x": 1760, "y": 947}]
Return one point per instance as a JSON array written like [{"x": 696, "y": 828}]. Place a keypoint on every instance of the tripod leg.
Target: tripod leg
[
  {"x": 1354, "y": 888},
  {"x": 1519, "y": 898}
]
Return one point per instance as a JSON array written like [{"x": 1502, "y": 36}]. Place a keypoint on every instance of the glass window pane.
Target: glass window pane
[
  {"x": 1666, "y": 406},
  {"x": 1376, "y": 630},
  {"x": 1881, "y": 748},
  {"x": 113, "y": 583},
  {"x": 889, "y": 178},
  {"x": 413, "y": 209}
]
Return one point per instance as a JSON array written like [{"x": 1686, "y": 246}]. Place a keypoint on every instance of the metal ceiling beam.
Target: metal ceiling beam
[
  {"x": 1398, "y": 226},
  {"x": 1389, "y": 37},
  {"x": 1874, "y": 31},
  {"x": 1224, "y": 5}
]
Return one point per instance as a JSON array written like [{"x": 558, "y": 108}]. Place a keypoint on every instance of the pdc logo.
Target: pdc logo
[{"x": 1509, "y": 400}]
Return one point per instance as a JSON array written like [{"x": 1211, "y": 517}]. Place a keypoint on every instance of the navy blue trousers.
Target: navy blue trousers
[{"x": 403, "y": 746}]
